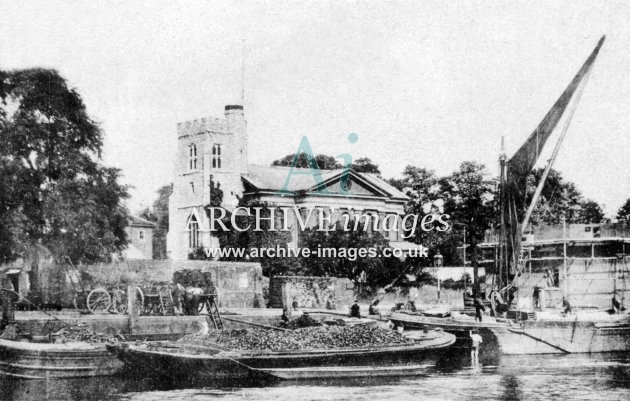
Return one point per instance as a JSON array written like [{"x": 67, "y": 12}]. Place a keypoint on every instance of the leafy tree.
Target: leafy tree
[
  {"x": 590, "y": 212},
  {"x": 423, "y": 188},
  {"x": 365, "y": 165},
  {"x": 623, "y": 215},
  {"x": 379, "y": 270},
  {"x": 420, "y": 184},
  {"x": 251, "y": 239},
  {"x": 470, "y": 200},
  {"x": 158, "y": 214},
  {"x": 56, "y": 191},
  {"x": 325, "y": 162},
  {"x": 560, "y": 198}
]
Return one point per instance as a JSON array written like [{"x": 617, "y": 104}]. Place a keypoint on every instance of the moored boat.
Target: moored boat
[
  {"x": 28, "y": 360},
  {"x": 176, "y": 361},
  {"x": 344, "y": 372},
  {"x": 542, "y": 333}
]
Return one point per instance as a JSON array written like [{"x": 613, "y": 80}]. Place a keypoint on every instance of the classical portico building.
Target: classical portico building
[{"x": 216, "y": 149}]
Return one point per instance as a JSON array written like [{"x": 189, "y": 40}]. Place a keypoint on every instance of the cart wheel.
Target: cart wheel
[
  {"x": 119, "y": 302},
  {"x": 98, "y": 300},
  {"x": 79, "y": 301}
]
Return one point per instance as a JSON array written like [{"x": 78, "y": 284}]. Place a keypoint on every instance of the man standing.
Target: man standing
[
  {"x": 8, "y": 296},
  {"x": 566, "y": 305},
  {"x": 355, "y": 310},
  {"x": 479, "y": 307},
  {"x": 476, "y": 343}
]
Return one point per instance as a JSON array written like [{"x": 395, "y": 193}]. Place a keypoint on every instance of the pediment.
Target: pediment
[{"x": 354, "y": 186}]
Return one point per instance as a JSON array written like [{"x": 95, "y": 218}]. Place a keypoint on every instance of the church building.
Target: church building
[{"x": 212, "y": 149}]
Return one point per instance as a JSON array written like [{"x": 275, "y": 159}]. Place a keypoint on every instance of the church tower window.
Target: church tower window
[
  {"x": 193, "y": 232},
  {"x": 216, "y": 156},
  {"x": 192, "y": 157}
]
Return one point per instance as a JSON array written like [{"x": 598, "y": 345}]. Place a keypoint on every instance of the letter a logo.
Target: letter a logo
[{"x": 313, "y": 170}]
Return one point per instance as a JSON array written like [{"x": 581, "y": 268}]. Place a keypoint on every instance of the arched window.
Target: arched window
[
  {"x": 216, "y": 156},
  {"x": 192, "y": 157},
  {"x": 193, "y": 232}
]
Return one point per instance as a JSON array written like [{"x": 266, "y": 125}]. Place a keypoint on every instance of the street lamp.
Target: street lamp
[{"x": 438, "y": 259}]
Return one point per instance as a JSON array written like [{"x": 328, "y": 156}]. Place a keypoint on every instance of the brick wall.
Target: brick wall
[
  {"x": 239, "y": 284},
  {"x": 311, "y": 292}
]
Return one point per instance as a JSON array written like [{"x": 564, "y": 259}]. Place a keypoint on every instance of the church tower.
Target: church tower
[{"x": 208, "y": 149}]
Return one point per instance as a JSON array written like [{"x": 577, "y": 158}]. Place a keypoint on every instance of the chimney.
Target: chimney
[{"x": 234, "y": 111}]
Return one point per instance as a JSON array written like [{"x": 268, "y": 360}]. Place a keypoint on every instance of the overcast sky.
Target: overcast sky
[{"x": 426, "y": 83}]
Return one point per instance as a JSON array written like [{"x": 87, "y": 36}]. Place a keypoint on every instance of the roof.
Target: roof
[
  {"x": 405, "y": 245},
  {"x": 273, "y": 178},
  {"x": 140, "y": 222}
]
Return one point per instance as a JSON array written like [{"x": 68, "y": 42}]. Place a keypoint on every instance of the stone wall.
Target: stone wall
[
  {"x": 239, "y": 284},
  {"x": 311, "y": 292},
  {"x": 423, "y": 297}
]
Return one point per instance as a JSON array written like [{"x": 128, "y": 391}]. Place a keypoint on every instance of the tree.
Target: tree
[
  {"x": 590, "y": 212},
  {"x": 560, "y": 198},
  {"x": 56, "y": 191},
  {"x": 379, "y": 271},
  {"x": 251, "y": 239},
  {"x": 325, "y": 162},
  {"x": 470, "y": 200},
  {"x": 423, "y": 188},
  {"x": 623, "y": 215},
  {"x": 365, "y": 165},
  {"x": 158, "y": 214}
]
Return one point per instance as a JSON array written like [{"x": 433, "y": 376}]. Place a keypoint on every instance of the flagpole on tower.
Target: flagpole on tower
[{"x": 243, "y": 75}]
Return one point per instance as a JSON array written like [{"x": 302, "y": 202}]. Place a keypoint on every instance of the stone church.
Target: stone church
[{"x": 216, "y": 149}]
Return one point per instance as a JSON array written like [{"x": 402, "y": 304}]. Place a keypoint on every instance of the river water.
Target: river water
[{"x": 571, "y": 377}]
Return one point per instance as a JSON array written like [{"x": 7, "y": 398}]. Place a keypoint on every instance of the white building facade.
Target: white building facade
[{"x": 216, "y": 149}]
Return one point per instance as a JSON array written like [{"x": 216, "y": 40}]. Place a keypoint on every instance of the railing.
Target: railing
[{"x": 574, "y": 232}]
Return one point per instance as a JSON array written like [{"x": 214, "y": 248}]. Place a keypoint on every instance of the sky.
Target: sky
[{"x": 423, "y": 83}]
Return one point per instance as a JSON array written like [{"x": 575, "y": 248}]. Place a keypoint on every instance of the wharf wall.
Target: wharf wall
[
  {"x": 311, "y": 292},
  {"x": 239, "y": 284},
  {"x": 144, "y": 327}
]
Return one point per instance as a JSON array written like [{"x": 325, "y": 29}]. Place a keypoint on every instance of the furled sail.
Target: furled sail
[{"x": 514, "y": 178}]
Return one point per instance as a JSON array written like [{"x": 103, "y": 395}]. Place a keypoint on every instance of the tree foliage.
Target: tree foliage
[
  {"x": 365, "y": 165},
  {"x": 560, "y": 198},
  {"x": 623, "y": 214},
  {"x": 55, "y": 190},
  {"x": 325, "y": 162},
  {"x": 254, "y": 239},
  {"x": 158, "y": 214}
]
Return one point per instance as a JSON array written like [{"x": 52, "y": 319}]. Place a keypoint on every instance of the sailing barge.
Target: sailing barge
[{"x": 540, "y": 318}]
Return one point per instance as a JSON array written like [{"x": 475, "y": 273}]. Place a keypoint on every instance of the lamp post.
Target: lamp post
[
  {"x": 438, "y": 259},
  {"x": 437, "y": 262}
]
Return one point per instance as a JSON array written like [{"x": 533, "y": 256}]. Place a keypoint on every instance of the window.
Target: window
[
  {"x": 192, "y": 187},
  {"x": 216, "y": 156},
  {"x": 193, "y": 233},
  {"x": 192, "y": 157},
  {"x": 141, "y": 234}
]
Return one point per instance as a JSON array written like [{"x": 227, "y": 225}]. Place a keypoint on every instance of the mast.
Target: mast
[{"x": 502, "y": 187}]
